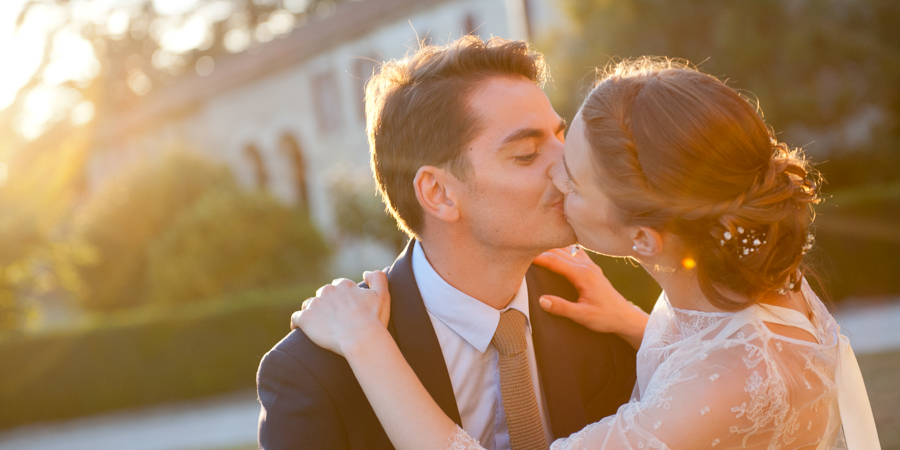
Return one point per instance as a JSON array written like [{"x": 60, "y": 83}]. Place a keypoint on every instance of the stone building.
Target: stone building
[{"x": 287, "y": 115}]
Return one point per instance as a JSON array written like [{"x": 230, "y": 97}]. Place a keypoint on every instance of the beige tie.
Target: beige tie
[{"x": 519, "y": 401}]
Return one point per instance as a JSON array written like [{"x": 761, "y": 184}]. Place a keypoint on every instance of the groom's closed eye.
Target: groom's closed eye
[{"x": 530, "y": 133}]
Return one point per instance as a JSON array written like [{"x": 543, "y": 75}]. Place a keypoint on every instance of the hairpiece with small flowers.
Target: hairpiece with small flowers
[{"x": 746, "y": 243}]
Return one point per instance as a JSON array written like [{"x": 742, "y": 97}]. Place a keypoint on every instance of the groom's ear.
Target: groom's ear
[{"x": 435, "y": 193}]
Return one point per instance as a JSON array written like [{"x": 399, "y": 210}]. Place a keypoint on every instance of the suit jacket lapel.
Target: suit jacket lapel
[
  {"x": 552, "y": 352},
  {"x": 411, "y": 327}
]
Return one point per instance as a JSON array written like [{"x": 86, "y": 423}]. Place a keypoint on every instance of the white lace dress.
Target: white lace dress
[{"x": 723, "y": 381}]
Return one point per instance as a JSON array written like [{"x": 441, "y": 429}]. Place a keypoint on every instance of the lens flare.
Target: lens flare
[{"x": 688, "y": 263}]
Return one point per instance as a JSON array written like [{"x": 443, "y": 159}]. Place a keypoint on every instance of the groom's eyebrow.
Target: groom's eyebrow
[{"x": 529, "y": 133}]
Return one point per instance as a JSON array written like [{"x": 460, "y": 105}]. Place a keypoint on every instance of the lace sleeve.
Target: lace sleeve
[
  {"x": 460, "y": 440},
  {"x": 748, "y": 391},
  {"x": 724, "y": 395}
]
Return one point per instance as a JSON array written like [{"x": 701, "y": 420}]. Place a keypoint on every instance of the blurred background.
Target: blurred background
[{"x": 176, "y": 176}]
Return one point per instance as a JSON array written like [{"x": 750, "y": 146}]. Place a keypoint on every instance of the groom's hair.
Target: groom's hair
[{"x": 417, "y": 113}]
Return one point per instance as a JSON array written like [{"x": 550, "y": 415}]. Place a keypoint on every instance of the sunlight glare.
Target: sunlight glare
[
  {"x": 45, "y": 105},
  {"x": 296, "y": 6},
  {"x": 82, "y": 113},
  {"x": 72, "y": 58},
  {"x": 117, "y": 24},
  {"x": 22, "y": 48},
  {"x": 281, "y": 22},
  {"x": 188, "y": 37},
  {"x": 174, "y": 7}
]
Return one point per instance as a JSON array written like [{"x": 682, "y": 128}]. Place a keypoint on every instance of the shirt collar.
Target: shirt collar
[{"x": 468, "y": 317}]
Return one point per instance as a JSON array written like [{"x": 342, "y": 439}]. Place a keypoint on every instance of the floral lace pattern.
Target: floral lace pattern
[{"x": 722, "y": 381}]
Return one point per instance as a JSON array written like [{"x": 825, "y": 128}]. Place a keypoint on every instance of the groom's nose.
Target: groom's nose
[{"x": 558, "y": 175}]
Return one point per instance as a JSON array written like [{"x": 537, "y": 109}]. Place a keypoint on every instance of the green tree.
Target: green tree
[
  {"x": 825, "y": 71},
  {"x": 230, "y": 241},
  {"x": 359, "y": 210},
  {"x": 132, "y": 210}
]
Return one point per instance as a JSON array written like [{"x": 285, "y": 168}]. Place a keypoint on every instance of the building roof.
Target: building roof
[{"x": 351, "y": 19}]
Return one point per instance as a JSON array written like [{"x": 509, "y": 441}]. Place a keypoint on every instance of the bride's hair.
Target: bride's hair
[{"x": 678, "y": 150}]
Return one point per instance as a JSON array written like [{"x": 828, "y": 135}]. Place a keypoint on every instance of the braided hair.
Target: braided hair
[{"x": 679, "y": 150}]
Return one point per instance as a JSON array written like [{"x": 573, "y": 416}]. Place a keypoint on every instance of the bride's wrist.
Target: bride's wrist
[
  {"x": 361, "y": 339},
  {"x": 634, "y": 320}
]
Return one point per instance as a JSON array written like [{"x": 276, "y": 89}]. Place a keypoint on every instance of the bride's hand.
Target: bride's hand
[
  {"x": 600, "y": 307},
  {"x": 344, "y": 314}
]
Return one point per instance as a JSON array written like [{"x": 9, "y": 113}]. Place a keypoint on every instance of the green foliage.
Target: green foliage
[
  {"x": 132, "y": 210},
  {"x": 818, "y": 67},
  {"x": 856, "y": 232},
  {"x": 359, "y": 211},
  {"x": 181, "y": 229},
  {"x": 148, "y": 355},
  {"x": 630, "y": 279},
  {"x": 38, "y": 252},
  {"x": 232, "y": 240},
  {"x": 825, "y": 75}
]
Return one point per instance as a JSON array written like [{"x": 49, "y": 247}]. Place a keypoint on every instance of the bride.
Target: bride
[{"x": 670, "y": 167}]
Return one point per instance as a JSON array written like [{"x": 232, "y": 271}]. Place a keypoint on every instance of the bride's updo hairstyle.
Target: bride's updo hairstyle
[{"x": 677, "y": 150}]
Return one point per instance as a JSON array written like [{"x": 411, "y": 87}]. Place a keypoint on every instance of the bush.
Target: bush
[
  {"x": 181, "y": 229},
  {"x": 230, "y": 241},
  {"x": 359, "y": 211},
  {"x": 128, "y": 213},
  {"x": 857, "y": 240},
  {"x": 148, "y": 355}
]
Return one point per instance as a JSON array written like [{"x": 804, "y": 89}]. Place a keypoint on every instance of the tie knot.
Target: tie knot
[{"x": 509, "y": 338}]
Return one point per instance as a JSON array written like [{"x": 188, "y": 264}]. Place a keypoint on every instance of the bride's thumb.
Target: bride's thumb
[{"x": 559, "y": 306}]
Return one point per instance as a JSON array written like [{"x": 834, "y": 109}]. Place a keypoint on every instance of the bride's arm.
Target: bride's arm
[
  {"x": 599, "y": 307},
  {"x": 350, "y": 321}
]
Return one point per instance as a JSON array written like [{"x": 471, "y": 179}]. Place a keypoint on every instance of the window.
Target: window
[
  {"x": 470, "y": 24},
  {"x": 290, "y": 149},
  {"x": 326, "y": 101},
  {"x": 261, "y": 177},
  {"x": 362, "y": 71}
]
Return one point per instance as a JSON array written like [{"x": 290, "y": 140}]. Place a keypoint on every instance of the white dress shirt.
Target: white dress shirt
[{"x": 464, "y": 327}]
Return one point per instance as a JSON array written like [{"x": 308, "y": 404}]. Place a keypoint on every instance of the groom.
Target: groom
[{"x": 463, "y": 141}]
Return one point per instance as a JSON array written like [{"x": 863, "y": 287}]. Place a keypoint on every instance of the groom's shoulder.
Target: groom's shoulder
[
  {"x": 545, "y": 281},
  {"x": 298, "y": 348}
]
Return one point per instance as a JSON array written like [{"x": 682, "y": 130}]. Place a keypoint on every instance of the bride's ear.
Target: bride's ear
[
  {"x": 647, "y": 242},
  {"x": 435, "y": 193}
]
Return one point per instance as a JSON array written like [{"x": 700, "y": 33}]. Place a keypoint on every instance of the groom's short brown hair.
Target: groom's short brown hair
[{"x": 417, "y": 113}]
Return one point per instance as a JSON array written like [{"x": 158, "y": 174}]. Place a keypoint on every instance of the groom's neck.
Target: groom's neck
[{"x": 487, "y": 273}]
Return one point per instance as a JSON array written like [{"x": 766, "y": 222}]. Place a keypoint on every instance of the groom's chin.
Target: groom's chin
[{"x": 563, "y": 237}]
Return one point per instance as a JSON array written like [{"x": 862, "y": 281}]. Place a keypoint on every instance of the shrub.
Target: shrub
[
  {"x": 144, "y": 356},
  {"x": 359, "y": 211},
  {"x": 130, "y": 211},
  {"x": 232, "y": 240}
]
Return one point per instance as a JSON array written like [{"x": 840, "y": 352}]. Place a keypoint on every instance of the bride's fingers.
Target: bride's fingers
[
  {"x": 378, "y": 283},
  {"x": 581, "y": 254},
  {"x": 574, "y": 253},
  {"x": 560, "y": 307},
  {"x": 295, "y": 320},
  {"x": 575, "y": 271},
  {"x": 343, "y": 282}
]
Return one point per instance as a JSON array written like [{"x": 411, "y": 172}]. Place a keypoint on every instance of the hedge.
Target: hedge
[{"x": 143, "y": 357}]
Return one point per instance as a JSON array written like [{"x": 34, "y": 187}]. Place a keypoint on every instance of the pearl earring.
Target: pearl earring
[{"x": 634, "y": 247}]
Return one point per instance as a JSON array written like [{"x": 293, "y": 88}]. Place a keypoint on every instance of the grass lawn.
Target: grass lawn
[{"x": 881, "y": 372}]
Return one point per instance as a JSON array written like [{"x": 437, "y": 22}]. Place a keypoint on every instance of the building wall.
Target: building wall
[{"x": 318, "y": 103}]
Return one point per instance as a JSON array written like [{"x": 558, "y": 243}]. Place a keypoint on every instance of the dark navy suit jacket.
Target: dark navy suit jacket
[{"x": 311, "y": 400}]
